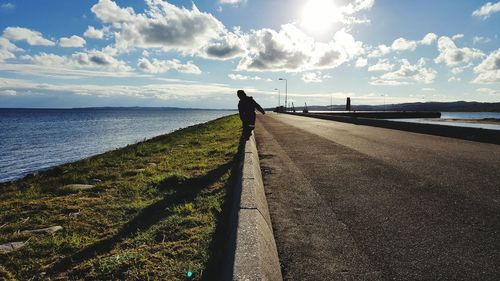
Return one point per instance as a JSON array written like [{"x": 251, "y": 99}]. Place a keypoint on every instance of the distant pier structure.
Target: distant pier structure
[{"x": 383, "y": 114}]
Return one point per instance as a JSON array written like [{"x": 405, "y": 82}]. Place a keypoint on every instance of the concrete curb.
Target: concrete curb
[
  {"x": 255, "y": 252},
  {"x": 466, "y": 133}
]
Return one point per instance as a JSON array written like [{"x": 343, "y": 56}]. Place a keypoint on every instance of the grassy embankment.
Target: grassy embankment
[{"x": 152, "y": 216}]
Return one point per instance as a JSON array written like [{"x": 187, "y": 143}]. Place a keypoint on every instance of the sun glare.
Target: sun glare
[{"x": 319, "y": 15}]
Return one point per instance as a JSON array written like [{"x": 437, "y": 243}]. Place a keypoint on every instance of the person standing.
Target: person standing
[{"x": 246, "y": 107}]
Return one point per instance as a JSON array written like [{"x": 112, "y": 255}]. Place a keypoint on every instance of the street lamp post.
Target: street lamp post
[
  {"x": 279, "y": 100},
  {"x": 286, "y": 91}
]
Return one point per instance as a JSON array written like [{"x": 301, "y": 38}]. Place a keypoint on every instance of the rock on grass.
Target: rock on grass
[{"x": 76, "y": 187}]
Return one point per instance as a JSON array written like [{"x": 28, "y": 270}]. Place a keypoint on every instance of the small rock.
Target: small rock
[
  {"x": 77, "y": 187},
  {"x": 47, "y": 230},
  {"x": 94, "y": 181},
  {"x": 11, "y": 246},
  {"x": 74, "y": 215}
]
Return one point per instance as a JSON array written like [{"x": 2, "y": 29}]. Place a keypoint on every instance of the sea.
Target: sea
[
  {"x": 455, "y": 119},
  {"x": 36, "y": 139}
]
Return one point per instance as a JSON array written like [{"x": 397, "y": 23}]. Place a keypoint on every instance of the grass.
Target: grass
[{"x": 151, "y": 215}]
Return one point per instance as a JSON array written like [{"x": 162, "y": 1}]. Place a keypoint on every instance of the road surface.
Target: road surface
[{"x": 352, "y": 202}]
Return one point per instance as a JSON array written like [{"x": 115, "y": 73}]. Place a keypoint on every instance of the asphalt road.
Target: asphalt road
[{"x": 353, "y": 202}]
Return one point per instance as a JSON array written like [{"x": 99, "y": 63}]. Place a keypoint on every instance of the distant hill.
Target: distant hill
[{"x": 457, "y": 106}]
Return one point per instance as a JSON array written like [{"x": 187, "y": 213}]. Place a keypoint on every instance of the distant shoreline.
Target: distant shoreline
[{"x": 114, "y": 108}]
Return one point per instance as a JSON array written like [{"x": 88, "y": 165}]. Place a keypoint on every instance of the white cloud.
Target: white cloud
[
  {"x": 109, "y": 12},
  {"x": 428, "y": 89},
  {"x": 166, "y": 27},
  {"x": 488, "y": 91},
  {"x": 164, "y": 91},
  {"x": 99, "y": 59},
  {"x": 5, "y": 54},
  {"x": 429, "y": 38},
  {"x": 163, "y": 26},
  {"x": 460, "y": 69},
  {"x": 488, "y": 71},
  {"x": 231, "y": 2},
  {"x": 355, "y": 7},
  {"x": 451, "y": 55},
  {"x": 480, "y": 40},
  {"x": 381, "y": 82},
  {"x": 487, "y": 10},
  {"x": 46, "y": 59},
  {"x": 360, "y": 5},
  {"x": 381, "y": 65},
  {"x": 454, "y": 79},
  {"x": 8, "y": 92},
  {"x": 291, "y": 49},
  {"x": 361, "y": 62},
  {"x": 160, "y": 66},
  {"x": 34, "y": 38},
  {"x": 7, "y": 6},
  {"x": 94, "y": 33},
  {"x": 65, "y": 65},
  {"x": 314, "y": 77},
  {"x": 457, "y": 36},
  {"x": 402, "y": 44},
  {"x": 72, "y": 42},
  {"x": 228, "y": 46},
  {"x": 7, "y": 45},
  {"x": 269, "y": 50},
  {"x": 233, "y": 76},
  {"x": 66, "y": 71},
  {"x": 380, "y": 51},
  {"x": 317, "y": 13},
  {"x": 7, "y": 49},
  {"x": 407, "y": 73}
]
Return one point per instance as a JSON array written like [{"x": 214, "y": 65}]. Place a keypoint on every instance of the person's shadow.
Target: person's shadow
[{"x": 182, "y": 191}]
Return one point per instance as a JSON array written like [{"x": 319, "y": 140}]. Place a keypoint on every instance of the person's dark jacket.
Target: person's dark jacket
[{"x": 247, "y": 107}]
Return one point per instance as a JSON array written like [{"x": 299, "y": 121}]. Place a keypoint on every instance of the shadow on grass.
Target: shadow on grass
[
  {"x": 223, "y": 246},
  {"x": 184, "y": 190}
]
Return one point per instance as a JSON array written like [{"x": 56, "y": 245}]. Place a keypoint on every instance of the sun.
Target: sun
[{"x": 319, "y": 15}]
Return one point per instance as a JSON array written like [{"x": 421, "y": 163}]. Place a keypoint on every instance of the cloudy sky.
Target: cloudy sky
[{"x": 182, "y": 53}]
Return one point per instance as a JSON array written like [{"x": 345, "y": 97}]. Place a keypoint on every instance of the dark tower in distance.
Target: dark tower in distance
[{"x": 348, "y": 104}]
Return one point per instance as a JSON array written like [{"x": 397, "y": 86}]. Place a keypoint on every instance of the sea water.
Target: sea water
[
  {"x": 36, "y": 139},
  {"x": 459, "y": 116}
]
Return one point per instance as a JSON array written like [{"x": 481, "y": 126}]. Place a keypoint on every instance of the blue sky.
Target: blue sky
[{"x": 198, "y": 53}]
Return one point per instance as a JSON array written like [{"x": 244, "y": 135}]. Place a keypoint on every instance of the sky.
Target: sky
[{"x": 196, "y": 54}]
